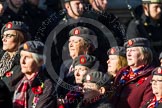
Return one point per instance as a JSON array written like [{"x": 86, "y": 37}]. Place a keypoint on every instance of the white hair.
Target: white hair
[{"x": 39, "y": 58}]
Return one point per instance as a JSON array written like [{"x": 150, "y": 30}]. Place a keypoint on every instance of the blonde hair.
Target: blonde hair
[{"x": 122, "y": 62}]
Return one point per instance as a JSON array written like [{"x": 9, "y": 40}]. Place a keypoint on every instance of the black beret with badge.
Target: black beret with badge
[
  {"x": 83, "y": 32},
  {"x": 17, "y": 25},
  {"x": 117, "y": 50},
  {"x": 137, "y": 42},
  {"x": 100, "y": 78},
  {"x": 157, "y": 71},
  {"x": 84, "y": 60},
  {"x": 32, "y": 46}
]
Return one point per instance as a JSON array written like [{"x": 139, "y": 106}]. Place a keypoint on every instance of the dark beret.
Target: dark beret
[
  {"x": 117, "y": 50},
  {"x": 137, "y": 42},
  {"x": 83, "y": 32},
  {"x": 17, "y": 25},
  {"x": 32, "y": 46},
  {"x": 84, "y": 60},
  {"x": 157, "y": 71},
  {"x": 100, "y": 78}
]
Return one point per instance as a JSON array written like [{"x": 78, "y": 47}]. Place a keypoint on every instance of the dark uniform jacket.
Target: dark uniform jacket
[
  {"x": 135, "y": 92},
  {"x": 146, "y": 27}
]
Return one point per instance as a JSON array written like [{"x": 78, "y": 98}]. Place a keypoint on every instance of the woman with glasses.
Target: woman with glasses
[
  {"x": 13, "y": 34},
  {"x": 156, "y": 82}
]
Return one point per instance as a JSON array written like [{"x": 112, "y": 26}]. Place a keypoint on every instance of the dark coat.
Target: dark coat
[
  {"x": 12, "y": 81},
  {"x": 47, "y": 98},
  {"x": 5, "y": 97},
  {"x": 146, "y": 27},
  {"x": 134, "y": 93}
]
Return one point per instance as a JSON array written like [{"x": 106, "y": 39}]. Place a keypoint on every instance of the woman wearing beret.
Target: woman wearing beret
[
  {"x": 117, "y": 60},
  {"x": 13, "y": 34},
  {"x": 82, "y": 65},
  {"x": 36, "y": 89},
  {"x": 132, "y": 83},
  {"x": 95, "y": 90},
  {"x": 80, "y": 43},
  {"x": 156, "y": 82}
]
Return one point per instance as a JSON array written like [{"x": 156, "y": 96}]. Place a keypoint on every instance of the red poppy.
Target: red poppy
[
  {"x": 141, "y": 81},
  {"x": 9, "y": 73},
  {"x": 37, "y": 90}
]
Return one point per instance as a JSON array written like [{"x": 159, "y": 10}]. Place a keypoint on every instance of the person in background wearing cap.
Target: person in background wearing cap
[
  {"x": 80, "y": 43},
  {"x": 36, "y": 89},
  {"x": 13, "y": 34},
  {"x": 132, "y": 83},
  {"x": 95, "y": 88},
  {"x": 117, "y": 60},
  {"x": 156, "y": 82},
  {"x": 160, "y": 59},
  {"x": 148, "y": 25}
]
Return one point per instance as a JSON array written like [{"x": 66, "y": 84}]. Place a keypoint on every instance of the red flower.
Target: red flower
[
  {"x": 8, "y": 74},
  {"x": 140, "y": 81},
  {"x": 37, "y": 90}
]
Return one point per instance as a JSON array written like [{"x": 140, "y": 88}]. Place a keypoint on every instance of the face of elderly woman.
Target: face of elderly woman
[
  {"x": 28, "y": 64},
  {"x": 76, "y": 46},
  {"x": 157, "y": 86},
  {"x": 10, "y": 41},
  {"x": 79, "y": 72},
  {"x": 134, "y": 56}
]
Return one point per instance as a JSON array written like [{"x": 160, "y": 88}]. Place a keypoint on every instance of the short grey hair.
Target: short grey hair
[{"x": 38, "y": 58}]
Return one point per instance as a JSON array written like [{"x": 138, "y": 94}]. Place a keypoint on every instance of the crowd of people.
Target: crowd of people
[{"x": 99, "y": 62}]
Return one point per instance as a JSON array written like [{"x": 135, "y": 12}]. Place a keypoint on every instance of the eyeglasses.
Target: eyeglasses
[
  {"x": 155, "y": 81},
  {"x": 7, "y": 36}
]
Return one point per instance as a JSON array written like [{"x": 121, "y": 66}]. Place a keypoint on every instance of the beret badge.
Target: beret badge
[
  {"x": 76, "y": 32},
  {"x": 9, "y": 25},
  {"x": 130, "y": 43},
  {"x": 112, "y": 51},
  {"x": 159, "y": 71},
  {"x": 25, "y": 47},
  {"x": 82, "y": 60},
  {"x": 88, "y": 78}
]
